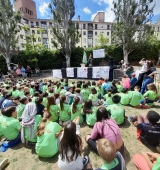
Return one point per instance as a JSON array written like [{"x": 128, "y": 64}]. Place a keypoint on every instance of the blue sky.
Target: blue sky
[{"x": 87, "y": 9}]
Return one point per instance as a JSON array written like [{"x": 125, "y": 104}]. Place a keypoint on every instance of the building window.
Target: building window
[
  {"x": 38, "y": 32},
  {"x": 95, "y": 26},
  {"x": 107, "y": 33},
  {"x": 33, "y": 31},
  {"x": 84, "y": 26},
  {"x": 37, "y": 23},
  {"x": 26, "y": 10},
  {"x": 39, "y": 39},
  {"x": 84, "y": 40},
  {"x": 158, "y": 29},
  {"x": 108, "y": 27},
  {"x": 96, "y": 33},
  {"x": 84, "y": 46},
  {"x": 51, "y": 32},
  {"x": 50, "y": 24},
  {"x": 84, "y": 32}
]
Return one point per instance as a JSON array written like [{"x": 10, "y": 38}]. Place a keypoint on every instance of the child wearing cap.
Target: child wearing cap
[
  {"x": 133, "y": 79},
  {"x": 148, "y": 128}
]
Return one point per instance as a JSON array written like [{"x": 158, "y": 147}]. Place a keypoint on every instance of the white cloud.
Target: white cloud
[
  {"x": 43, "y": 9},
  {"x": 87, "y": 10},
  {"x": 157, "y": 7}
]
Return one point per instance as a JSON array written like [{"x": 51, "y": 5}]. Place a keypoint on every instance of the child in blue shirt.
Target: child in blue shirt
[{"x": 133, "y": 80}]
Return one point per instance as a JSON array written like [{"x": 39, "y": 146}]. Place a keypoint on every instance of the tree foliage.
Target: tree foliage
[
  {"x": 65, "y": 32},
  {"x": 9, "y": 28},
  {"x": 131, "y": 23},
  {"x": 102, "y": 40}
]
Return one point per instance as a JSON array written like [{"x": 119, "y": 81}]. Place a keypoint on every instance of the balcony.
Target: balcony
[{"x": 90, "y": 27}]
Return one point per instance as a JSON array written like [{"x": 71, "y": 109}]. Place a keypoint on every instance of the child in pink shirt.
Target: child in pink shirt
[{"x": 126, "y": 81}]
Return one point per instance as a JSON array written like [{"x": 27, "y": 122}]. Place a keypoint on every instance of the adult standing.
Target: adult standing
[
  {"x": 28, "y": 71},
  {"x": 90, "y": 61},
  {"x": 144, "y": 65},
  {"x": 148, "y": 76},
  {"x": 23, "y": 70},
  {"x": 18, "y": 72}
]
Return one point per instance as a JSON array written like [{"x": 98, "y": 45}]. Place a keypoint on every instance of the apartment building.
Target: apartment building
[
  {"x": 156, "y": 28},
  {"x": 88, "y": 30}
]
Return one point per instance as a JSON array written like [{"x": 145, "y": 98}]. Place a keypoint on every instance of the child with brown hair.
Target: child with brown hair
[
  {"x": 53, "y": 108},
  {"x": 94, "y": 97},
  {"x": 112, "y": 160}
]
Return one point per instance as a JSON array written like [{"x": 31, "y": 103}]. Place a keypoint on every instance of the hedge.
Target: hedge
[{"x": 47, "y": 59}]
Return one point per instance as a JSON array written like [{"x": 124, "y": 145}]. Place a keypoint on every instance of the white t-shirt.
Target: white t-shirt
[
  {"x": 144, "y": 67},
  {"x": 76, "y": 164}
]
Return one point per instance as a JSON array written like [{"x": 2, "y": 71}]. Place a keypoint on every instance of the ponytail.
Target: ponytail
[
  {"x": 62, "y": 99},
  {"x": 109, "y": 94},
  {"x": 74, "y": 106},
  {"x": 41, "y": 127}
]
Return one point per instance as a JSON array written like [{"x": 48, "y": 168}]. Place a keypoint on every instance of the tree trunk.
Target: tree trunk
[
  {"x": 8, "y": 61},
  {"x": 68, "y": 61},
  {"x": 125, "y": 55}
]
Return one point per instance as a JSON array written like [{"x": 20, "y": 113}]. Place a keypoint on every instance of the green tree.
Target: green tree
[
  {"x": 102, "y": 41},
  {"x": 131, "y": 23},
  {"x": 9, "y": 28},
  {"x": 65, "y": 32}
]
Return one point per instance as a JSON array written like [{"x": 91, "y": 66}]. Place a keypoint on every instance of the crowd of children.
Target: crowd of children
[{"x": 49, "y": 114}]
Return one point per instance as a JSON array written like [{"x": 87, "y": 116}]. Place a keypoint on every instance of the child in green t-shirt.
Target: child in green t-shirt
[
  {"x": 76, "y": 110},
  {"x": 108, "y": 98},
  {"x": 90, "y": 112},
  {"x": 53, "y": 108},
  {"x": 119, "y": 86},
  {"x": 112, "y": 160},
  {"x": 124, "y": 97},
  {"x": 20, "y": 108},
  {"x": 150, "y": 95},
  {"x": 94, "y": 97},
  {"x": 85, "y": 92},
  {"x": 15, "y": 92},
  {"x": 36, "y": 94},
  {"x": 64, "y": 111},
  {"x": 31, "y": 90},
  {"x": 44, "y": 102},
  {"x": 135, "y": 97},
  {"x": 116, "y": 110},
  {"x": 44, "y": 87},
  {"x": 63, "y": 91}
]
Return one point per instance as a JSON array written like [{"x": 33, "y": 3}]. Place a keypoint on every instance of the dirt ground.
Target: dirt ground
[{"x": 25, "y": 158}]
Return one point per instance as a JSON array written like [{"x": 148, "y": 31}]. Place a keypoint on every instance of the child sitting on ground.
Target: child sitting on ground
[
  {"x": 126, "y": 81},
  {"x": 112, "y": 160},
  {"x": 133, "y": 80},
  {"x": 85, "y": 92},
  {"x": 119, "y": 86},
  {"x": 116, "y": 110},
  {"x": 135, "y": 98},
  {"x": 124, "y": 97},
  {"x": 150, "y": 95},
  {"x": 20, "y": 108},
  {"x": 40, "y": 107},
  {"x": 94, "y": 97},
  {"x": 148, "y": 128},
  {"x": 108, "y": 98}
]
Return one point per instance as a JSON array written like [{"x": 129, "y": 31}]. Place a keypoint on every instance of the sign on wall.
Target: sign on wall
[
  {"x": 100, "y": 72},
  {"x": 70, "y": 72},
  {"x": 82, "y": 72},
  {"x": 99, "y": 53}
]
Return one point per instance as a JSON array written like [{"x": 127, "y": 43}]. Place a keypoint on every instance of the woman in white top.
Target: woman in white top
[{"x": 70, "y": 150}]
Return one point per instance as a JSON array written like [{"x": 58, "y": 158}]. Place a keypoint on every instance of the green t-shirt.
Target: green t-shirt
[
  {"x": 117, "y": 113},
  {"x": 1, "y": 121},
  {"x": 63, "y": 84},
  {"x": 124, "y": 98},
  {"x": 31, "y": 91},
  {"x": 10, "y": 127},
  {"x": 93, "y": 97},
  {"x": 85, "y": 93},
  {"x": 15, "y": 93},
  {"x": 135, "y": 98},
  {"x": 38, "y": 119},
  {"x": 44, "y": 88},
  {"x": 108, "y": 99},
  {"x": 119, "y": 88},
  {"x": 50, "y": 94},
  {"x": 99, "y": 90},
  {"x": 54, "y": 112},
  {"x": 44, "y": 102},
  {"x": 34, "y": 99},
  {"x": 157, "y": 165},
  {"x": 77, "y": 113},
  {"x": 63, "y": 92},
  {"x": 20, "y": 109},
  {"x": 21, "y": 94},
  {"x": 64, "y": 114},
  {"x": 47, "y": 144},
  {"x": 111, "y": 165},
  {"x": 57, "y": 89},
  {"x": 151, "y": 95},
  {"x": 91, "y": 117},
  {"x": 10, "y": 91}
]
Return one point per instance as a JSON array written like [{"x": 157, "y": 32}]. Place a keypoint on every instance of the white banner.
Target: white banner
[
  {"x": 100, "y": 72},
  {"x": 82, "y": 72},
  {"x": 70, "y": 72},
  {"x": 57, "y": 73},
  {"x": 99, "y": 53}
]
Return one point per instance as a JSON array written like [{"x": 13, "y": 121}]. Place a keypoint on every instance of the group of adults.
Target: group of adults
[{"x": 146, "y": 75}]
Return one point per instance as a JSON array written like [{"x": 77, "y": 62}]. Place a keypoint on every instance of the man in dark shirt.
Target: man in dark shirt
[{"x": 148, "y": 128}]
